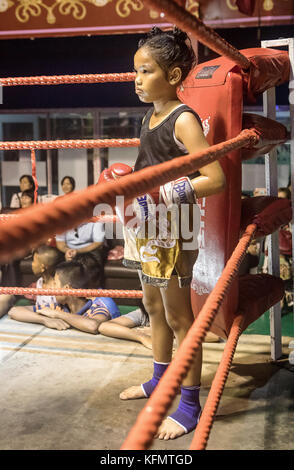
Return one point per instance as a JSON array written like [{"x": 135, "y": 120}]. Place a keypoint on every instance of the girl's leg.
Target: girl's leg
[
  {"x": 162, "y": 341},
  {"x": 121, "y": 328},
  {"x": 180, "y": 317}
]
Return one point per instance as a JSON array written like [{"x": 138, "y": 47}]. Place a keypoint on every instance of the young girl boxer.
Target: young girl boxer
[{"x": 169, "y": 130}]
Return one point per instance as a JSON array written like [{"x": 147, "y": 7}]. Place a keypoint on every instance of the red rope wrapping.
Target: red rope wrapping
[
  {"x": 69, "y": 144},
  {"x": 42, "y": 221},
  {"x": 189, "y": 23},
  {"x": 68, "y": 79},
  {"x": 34, "y": 175},
  {"x": 114, "y": 293},
  {"x": 148, "y": 421},
  {"x": 204, "y": 426}
]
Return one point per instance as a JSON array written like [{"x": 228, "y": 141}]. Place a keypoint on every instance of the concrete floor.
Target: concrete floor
[{"x": 59, "y": 390}]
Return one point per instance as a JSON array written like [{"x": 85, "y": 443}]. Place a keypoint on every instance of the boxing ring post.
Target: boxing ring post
[{"x": 271, "y": 177}]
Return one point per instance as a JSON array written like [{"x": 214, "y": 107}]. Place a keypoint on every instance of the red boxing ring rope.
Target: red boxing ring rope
[
  {"x": 114, "y": 293},
  {"x": 204, "y": 426},
  {"x": 68, "y": 79},
  {"x": 68, "y": 144}
]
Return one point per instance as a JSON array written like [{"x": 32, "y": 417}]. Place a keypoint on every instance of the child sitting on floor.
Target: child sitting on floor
[
  {"x": 45, "y": 259},
  {"x": 92, "y": 315}
]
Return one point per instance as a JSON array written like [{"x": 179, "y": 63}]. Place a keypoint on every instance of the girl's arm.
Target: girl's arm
[{"x": 189, "y": 132}]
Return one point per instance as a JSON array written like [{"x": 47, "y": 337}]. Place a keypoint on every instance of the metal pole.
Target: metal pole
[
  {"x": 269, "y": 103},
  {"x": 271, "y": 179}
]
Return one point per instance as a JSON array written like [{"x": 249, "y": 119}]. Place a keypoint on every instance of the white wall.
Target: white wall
[
  {"x": 73, "y": 162},
  {"x": 253, "y": 176},
  {"x": 12, "y": 171},
  {"x": 127, "y": 155}
]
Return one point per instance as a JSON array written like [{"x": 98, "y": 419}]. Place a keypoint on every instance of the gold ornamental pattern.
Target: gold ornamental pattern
[
  {"x": 124, "y": 7},
  {"x": 26, "y": 9}
]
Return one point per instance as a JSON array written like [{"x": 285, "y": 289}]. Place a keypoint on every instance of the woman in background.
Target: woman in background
[
  {"x": 26, "y": 183},
  {"x": 68, "y": 184}
]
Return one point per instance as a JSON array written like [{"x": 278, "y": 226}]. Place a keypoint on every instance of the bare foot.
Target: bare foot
[
  {"x": 56, "y": 324},
  {"x": 169, "y": 429},
  {"x": 132, "y": 393},
  {"x": 145, "y": 340}
]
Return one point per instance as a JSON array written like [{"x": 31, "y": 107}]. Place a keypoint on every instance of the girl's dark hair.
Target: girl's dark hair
[
  {"x": 31, "y": 180},
  {"x": 71, "y": 179},
  {"x": 170, "y": 49}
]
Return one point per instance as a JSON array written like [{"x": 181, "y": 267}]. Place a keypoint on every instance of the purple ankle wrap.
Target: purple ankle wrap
[
  {"x": 189, "y": 410},
  {"x": 159, "y": 370}
]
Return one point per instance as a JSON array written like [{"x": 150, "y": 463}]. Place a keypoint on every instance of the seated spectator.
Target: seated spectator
[
  {"x": 26, "y": 183},
  {"x": 45, "y": 259},
  {"x": 26, "y": 199},
  {"x": 86, "y": 238},
  {"x": 68, "y": 184}
]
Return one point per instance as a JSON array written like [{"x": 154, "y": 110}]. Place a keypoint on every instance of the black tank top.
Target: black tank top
[{"x": 158, "y": 145}]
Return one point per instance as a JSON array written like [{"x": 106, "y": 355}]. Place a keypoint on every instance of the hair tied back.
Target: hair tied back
[
  {"x": 154, "y": 31},
  {"x": 179, "y": 34}
]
